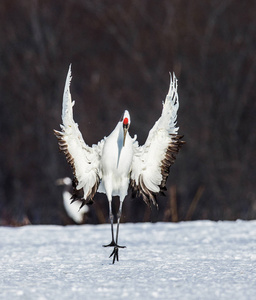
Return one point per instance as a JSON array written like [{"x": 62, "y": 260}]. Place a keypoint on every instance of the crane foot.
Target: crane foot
[
  {"x": 115, "y": 251},
  {"x": 114, "y": 254},
  {"x": 114, "y": 244}
]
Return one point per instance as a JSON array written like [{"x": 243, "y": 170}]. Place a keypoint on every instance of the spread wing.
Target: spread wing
[
  {"x": 152, "y": 161},
  {"x": 84, "y": 160}
]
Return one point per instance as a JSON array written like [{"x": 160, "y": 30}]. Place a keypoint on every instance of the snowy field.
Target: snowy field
[{"x": 190, "y": 260}]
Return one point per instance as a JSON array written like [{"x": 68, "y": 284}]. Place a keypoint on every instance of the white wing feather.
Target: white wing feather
[
  {"x": 83, "y": 159},
  {"x": 148, "y": 159}
]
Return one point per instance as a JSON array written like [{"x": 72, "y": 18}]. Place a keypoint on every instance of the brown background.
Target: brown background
[{"x": 121, "y": 53}]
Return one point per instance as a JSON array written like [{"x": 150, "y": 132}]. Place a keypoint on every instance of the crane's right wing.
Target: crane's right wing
[
  {"x": 152, "y": 161},
  {"x": 84, "y": 160}
]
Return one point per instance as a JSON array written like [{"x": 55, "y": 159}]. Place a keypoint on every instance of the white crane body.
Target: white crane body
[{"x": 116, "y": 163}]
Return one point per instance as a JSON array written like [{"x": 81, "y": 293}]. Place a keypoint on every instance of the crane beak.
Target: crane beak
[{"x": 125, "y": 132}]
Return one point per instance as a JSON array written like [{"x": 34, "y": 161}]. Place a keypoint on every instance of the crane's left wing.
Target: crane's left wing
[
  {"x": 84, "y": 160},
  {"x": 152, "y": 161}
]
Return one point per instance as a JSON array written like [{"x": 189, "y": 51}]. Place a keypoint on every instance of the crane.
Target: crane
[
  {"x": 74, "y": 211},
  {"x": 117, "y": 162}
]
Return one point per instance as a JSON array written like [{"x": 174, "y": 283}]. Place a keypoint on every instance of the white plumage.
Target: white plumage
[
  {"x": 73, "y": 210},
  {"x": 117, "y": 162}
]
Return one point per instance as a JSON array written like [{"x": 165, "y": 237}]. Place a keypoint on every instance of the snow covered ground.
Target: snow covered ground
[{"x": 189, "y": 260}]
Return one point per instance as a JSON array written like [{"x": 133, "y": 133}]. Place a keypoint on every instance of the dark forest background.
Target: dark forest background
[{"x": 121, "y": 53}]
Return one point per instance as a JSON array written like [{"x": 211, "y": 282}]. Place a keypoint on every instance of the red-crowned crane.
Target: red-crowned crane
[
  {"x": 74, "y": 211},
  {"x": 117, "y": 162}
]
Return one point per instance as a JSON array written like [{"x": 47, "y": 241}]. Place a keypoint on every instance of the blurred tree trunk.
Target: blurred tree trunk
[{"x": 121, "y": 54}]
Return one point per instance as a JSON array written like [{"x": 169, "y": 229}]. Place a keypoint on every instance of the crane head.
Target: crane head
[{"x": 126, "y": 120}]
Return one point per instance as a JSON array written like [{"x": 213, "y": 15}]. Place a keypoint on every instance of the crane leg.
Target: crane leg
[
  {"x": 113, "y": 242},
  {"x": 111, "y": 218},
  {"x": 118, "y": 219},
  {"x": 115, "y": 251}
]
